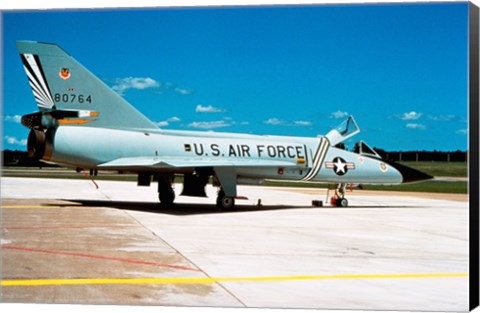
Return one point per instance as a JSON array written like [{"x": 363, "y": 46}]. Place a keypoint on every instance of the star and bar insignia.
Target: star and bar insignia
[{"x": 340, "y": 166}]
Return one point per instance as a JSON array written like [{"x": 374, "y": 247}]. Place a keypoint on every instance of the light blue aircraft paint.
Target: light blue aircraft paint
[{"x": 84, "y": 124}]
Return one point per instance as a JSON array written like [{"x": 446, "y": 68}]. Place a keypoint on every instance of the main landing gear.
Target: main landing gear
[
  {"x": 226, "y": 179},
  {"x": 194, "y": 185},
  {"x": 224, "y": 202},
  {"x": 166, "y": 194}
]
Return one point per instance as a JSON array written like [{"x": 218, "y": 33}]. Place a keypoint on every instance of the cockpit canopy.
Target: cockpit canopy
[
  {"x": 362, "y": 148},
  {"x": 345, "y": 130},
  {"x": 342, "y": 132}
]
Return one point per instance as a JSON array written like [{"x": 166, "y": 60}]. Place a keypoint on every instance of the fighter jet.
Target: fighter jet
[{"x": 84, "y": 124}]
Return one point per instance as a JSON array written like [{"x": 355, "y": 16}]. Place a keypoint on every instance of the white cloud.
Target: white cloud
[
  {"x": 123, "y": 84},
  {"x": 415, "y": 126},
  {"x": 173, "y": 119},
  {"x": 442, "y": 118},
  {"x": 15, "y": 141},
  {"x": 208, "y": 125},
  {"x": 462, "y": 131},
  {"x": 302, "y": 123},
  {"x": 237, "y": 123},
  {"x": 183, "y": 91},
  {"x": 278, "y": 122},
  {"x": 338, "y": 115},
  {"x": 15, "y": 118},
  {"x": 410, "y": 116},
  {"x": 233, "y": 122},
  {"x": 274, "y": 121},
  {"x": 163, "y": 123},
  {"x": 208, "y": 109}
]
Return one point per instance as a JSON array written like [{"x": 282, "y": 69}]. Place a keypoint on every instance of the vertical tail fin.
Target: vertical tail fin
[{"x": 62, "y": 86}]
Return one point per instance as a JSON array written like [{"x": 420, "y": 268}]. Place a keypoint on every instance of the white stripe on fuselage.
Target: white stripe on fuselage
[{"x": 318, "y": 159}]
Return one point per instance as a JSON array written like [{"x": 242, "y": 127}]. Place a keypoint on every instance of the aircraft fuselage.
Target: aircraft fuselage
[{"x": 93, "y": 148}]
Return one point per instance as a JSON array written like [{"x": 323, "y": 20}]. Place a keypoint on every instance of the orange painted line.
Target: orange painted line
[
  {"x": 99, "y": 257},
  {"x": 47, "y": 206},
  {"x": 64, "y": 227},
  {"x": 91, "y": 178}
]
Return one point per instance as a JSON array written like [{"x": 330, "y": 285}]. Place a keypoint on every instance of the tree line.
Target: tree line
[
  {"x": 21, "y": 158},
  {"x": 417, "y": 156}
]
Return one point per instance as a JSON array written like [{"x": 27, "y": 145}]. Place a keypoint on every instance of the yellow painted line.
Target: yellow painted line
[{"x": 212, "y": 280}]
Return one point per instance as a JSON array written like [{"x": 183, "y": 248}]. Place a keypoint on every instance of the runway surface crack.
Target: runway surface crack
[{"x": 187, "y": 259}]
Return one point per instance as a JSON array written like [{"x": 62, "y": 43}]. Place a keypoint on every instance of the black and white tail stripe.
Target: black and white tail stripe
[
  {"x": 318, "y": 159},
  {"x": 37, "y": 80}
]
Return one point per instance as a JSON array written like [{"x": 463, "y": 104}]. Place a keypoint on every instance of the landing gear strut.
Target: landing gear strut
[
  {"x": 226, "y": 179},
  {"x": 166, "y": 194}
]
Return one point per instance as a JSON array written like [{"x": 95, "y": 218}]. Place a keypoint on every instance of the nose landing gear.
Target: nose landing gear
[{"x": 339, "y": 199}]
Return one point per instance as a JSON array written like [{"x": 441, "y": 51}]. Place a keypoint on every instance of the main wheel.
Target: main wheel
[
  {"x": 224, "y": 202},
  {"x": 166, "y": 196}
]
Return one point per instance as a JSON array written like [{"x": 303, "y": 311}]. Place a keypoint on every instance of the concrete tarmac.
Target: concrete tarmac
[{"x": 67, "y": 241}]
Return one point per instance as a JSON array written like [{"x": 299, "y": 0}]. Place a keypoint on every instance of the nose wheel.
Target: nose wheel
[
  {"x": 339, "y": 199},
  {"x": 341, "y": 202}
]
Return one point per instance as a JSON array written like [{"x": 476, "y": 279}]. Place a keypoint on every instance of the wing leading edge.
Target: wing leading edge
[{"x": 158, "y": 163}]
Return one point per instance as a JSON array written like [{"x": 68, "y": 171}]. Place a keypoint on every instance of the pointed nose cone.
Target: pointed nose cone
[{"x": 410, "y": 175}]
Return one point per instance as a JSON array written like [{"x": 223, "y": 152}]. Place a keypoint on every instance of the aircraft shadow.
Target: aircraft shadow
[
  {"x": 179, "y": 208},
  {"x": 195, "y": 208}
]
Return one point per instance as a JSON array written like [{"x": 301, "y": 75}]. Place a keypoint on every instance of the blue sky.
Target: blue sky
[{"x": 400, "y": 69}]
